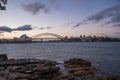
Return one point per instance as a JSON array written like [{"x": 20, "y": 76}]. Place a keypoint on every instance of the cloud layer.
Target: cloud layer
[
  {"x": 5, "y": 28},
  {"x": 109, "y": 15},
  {"x": 42, "y": 28},
  {"x": 21, "y": 28},
  {"x": 36, "y": 7}
]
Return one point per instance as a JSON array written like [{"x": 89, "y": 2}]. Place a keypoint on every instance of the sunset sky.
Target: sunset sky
[{"x": 64, "y": 17}]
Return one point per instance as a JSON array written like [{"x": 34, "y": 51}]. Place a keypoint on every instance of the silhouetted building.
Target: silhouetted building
[{"x": 23, "y": 38}]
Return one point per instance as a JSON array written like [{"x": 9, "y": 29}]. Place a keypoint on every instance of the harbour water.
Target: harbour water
[{"x": 104, "y": 55}]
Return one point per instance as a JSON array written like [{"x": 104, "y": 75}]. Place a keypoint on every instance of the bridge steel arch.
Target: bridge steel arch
[{"x": 51, "y": 34}]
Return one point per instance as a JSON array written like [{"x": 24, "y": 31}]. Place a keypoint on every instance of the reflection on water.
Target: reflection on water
[{"x": 105, "y": 56}]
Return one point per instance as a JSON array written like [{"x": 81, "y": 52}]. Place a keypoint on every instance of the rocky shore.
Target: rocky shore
[{"x": 35, "y": 69}]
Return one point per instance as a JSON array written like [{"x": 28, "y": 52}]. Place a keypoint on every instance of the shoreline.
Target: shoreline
[
  {"x": 58, "y": 42},
  {"x": 36, "y": 69}
]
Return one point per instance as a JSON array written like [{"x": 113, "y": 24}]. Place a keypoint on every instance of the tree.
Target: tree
[{"x": 2, "y": 4}]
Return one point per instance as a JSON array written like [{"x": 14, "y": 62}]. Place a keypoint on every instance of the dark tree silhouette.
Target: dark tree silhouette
[{"x": 2, "y": 4}]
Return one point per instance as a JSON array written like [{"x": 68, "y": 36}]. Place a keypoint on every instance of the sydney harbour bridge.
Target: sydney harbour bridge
[{"x": 53, "y": 37}]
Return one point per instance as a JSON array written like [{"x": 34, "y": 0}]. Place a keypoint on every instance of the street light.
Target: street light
[{"x": 2, "y": 4}]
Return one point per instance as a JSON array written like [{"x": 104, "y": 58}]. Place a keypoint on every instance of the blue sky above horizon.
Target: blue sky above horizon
[{"x": 64, "y": 17}]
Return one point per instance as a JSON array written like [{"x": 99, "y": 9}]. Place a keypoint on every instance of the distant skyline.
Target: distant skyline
[{"x": 64, "y": 17}]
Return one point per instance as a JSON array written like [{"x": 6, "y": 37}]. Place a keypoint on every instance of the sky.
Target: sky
[{"x": 63, "y": 17}]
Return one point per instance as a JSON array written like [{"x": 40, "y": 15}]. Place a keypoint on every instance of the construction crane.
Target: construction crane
[{"x": 2, "y": 4}]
